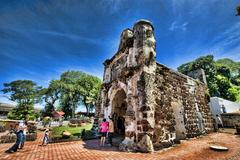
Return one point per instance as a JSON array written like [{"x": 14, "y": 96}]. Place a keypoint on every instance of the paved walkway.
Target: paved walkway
[{"x": 194, "y": 149}]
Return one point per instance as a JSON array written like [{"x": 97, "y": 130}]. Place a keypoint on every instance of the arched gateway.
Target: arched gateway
[
  {"x": 118, "y": 112},
  {"x": 151, "y": 104}
]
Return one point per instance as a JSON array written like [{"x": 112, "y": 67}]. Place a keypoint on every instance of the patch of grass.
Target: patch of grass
[{"x": 75, "y": 131}]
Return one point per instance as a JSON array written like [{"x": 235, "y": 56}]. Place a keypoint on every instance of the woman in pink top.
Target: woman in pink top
[{"x": 103, "y": 131}]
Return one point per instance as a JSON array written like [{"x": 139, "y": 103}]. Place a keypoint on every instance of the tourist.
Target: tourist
[
  {"x": 223, "y": 108},
  {"x": 23, "y": 127},
  {"x": 46, "y": 137},
  {"x": 110, "y": 131},
  {"x": 219, "y": 122},
  {"x": 14, "y": 148},
  {"x": 103, "y": 131}
]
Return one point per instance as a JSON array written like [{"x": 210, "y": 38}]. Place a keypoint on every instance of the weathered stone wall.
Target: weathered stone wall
[
  {"x": 181, "y": 106},
  {"x": 198, "y": 74}
]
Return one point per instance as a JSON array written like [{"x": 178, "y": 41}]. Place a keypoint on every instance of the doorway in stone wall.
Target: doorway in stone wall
[
  {"x": 119, "y": 107},
  {"x": 178, "y": 111}
]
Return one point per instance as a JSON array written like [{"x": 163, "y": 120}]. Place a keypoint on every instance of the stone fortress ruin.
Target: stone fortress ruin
[{"x": 156, "y": 105}]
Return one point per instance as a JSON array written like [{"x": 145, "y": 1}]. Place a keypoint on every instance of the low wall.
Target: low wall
[
  {"x": 11, "y": 138},
  {"x": 230, "y": 120},
  {"x": 6, "y": 137}
]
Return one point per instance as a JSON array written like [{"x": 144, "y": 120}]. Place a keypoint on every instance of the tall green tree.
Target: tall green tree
[
  {"x": 90, "y": 89},
  {"x": 225, "y": 71},
  {"x": 78, "y": 88},
  {"x": 225, "y": 89},
  {"x": 236, "y": 80},
  {"x": 222, "y": 75},
  {"x": 207, "y": 64},
  {"x": 50, "y": 96},
  {"x": 25, "y": 93},
  {"x": 71, "y": 92}
]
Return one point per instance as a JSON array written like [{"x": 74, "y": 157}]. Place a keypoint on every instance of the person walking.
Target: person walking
[
  {"x": 14, "y": 148},
  {"x": 110, "y": 131},
  {"x": 103, "y": 131},
  {"x": 23, "y": 127},
  {"x": 46, "y": 137}
]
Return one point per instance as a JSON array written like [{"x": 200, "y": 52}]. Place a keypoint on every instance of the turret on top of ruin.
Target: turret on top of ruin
[
  {"x": 143, "y": 21},
  {"x": 126, "y": 38}
]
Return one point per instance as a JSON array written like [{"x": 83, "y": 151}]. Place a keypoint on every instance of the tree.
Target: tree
[
  {"x": 232, "y": 65},
  {"x": 236, "y": 80},
  {"x": 225, "y": 89},
  {"x": 78, "y": 88},
  {"x": 25, "y": 93},
  {"x": 207, "y": 64},
  {"x": 221, "y": 75},
  {"x": 50, "y": 96},
  {"x": 71, "y": 92},
  {"x": 90, "y": 89},
  {"x": 225, "y": 71}
]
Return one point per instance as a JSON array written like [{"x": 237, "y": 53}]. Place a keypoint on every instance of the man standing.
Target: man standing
[
  {"x": 111, "y": 130},
  {"x": 219, "y": 121}
]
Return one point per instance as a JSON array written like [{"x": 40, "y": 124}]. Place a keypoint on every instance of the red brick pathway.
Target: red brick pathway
[{"x": 195, "y": 149}]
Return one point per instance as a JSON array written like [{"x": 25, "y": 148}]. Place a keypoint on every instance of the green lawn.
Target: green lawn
[{"x": 75, "y": 131}]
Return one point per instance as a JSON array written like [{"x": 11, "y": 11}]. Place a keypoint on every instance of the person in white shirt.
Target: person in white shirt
[
  {"x": 23, "y": 127},
  {"x": 46, "y": 137},
  {"x": 219, "y": 121}
]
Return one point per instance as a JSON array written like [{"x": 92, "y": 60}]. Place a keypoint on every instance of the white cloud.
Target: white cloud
[
  {"x": 111, "y": 6},
  {"x": 227, "y": 43},
  {"x": 178, "y": 26},
  {"x": 232, "y": 54},
  {"x": 70, "y": 36}
]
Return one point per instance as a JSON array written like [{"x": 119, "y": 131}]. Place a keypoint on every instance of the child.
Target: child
[{"x": 46, "y": 138}]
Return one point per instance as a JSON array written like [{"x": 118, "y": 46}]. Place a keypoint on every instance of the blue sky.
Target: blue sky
[{"x": 40, "y": 39}]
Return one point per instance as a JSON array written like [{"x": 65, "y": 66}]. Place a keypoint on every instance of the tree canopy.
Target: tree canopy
[
  {"x": 222, "y": 75},
  {"x": 74, "y": 88},
  {"x": 25, "y": 93},
  {"x": 50, "y": 96}
]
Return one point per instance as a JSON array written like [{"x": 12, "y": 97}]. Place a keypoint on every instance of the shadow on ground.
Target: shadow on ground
[{"x": 94, "y": 144}]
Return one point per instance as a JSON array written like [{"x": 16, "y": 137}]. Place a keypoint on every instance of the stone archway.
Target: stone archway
[{"x": 118, "y": 111}]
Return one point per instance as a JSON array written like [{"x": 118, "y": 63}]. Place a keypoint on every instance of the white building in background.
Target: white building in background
[
  {"x": 220, "y": 105},
  {"x": 4, "y": 109}
]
